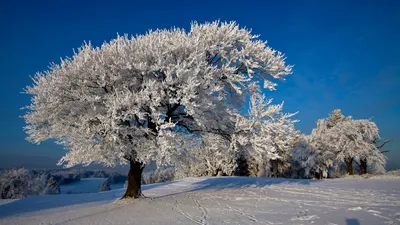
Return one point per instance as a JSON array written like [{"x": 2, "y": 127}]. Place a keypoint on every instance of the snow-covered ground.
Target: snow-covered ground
[
  {"x": 221, "y": 200},
  {"x": 5, "y": 201}
]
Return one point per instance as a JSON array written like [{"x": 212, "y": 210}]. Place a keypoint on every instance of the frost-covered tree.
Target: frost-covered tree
[
  {"x": 105, "y": 186},
  {"x": 351, "y": 139},
  {"x": 375, "y": 162},
  {"x": 323, "y": 156},
  {"x": 303, "y": 161},
  {"x": 336, "y": 117},
  {"x": 346, "y": 138},
  {"x": 308, "y": 161},
  {"x": 159, "y": 175},
  {"x": 210, "y": 155},
  {"x": 20, "y": 183},
  {"x": 266, "y": 136},
  {"x": 124, "y": 101},
  {"x": 52, "y": 187}
]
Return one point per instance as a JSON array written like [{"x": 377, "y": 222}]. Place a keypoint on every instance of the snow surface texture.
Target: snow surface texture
[{"x": 221, "y": 200}]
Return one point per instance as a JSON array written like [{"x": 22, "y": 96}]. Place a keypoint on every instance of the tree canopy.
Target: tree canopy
[{"x": 130, "y": 98}]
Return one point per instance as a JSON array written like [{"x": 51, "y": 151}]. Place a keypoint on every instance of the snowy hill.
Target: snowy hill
[{"x": 221, "y": 200}]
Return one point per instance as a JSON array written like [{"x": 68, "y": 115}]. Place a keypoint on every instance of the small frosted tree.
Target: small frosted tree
[
  {"x": 265, "y": 136},
  {"x": 125, "y": 101},
  {"x": 308, "y": 161},
  {"x": 304, "y": 161},
  {"x": 52, "y": 187},
  {"x": 105, "y": 186},
  {"x": 210, "y": 155},
  {"x": 159, "y": 175},
  {"x": 19, "y": 183}
]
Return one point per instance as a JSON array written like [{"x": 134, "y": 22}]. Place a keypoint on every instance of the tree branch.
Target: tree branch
[
  {"x": 383, "y": 144},
  {"x": 238, "y": 69}
]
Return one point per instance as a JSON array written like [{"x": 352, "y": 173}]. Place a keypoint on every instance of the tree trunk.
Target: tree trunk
[
  {"x": 349, "y": 165},
  {"x": 363, "y": 166},
  {"x": 134, "y": 189},
  {"x": 242, "y": 168},
  {"x": 274, "y": 168}
]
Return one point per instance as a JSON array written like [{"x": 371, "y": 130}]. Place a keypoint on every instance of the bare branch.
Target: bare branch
[{"x": 383, "y": 144}]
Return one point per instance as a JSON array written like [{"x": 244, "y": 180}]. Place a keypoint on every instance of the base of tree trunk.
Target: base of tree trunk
[
  {"x": 318, "y": 175},
  {"x": 134, "y": 189},
  {"x": 363, "y": 166},
  {"x": 242, "y": 168},
  {"x": 349, "y": 165}
]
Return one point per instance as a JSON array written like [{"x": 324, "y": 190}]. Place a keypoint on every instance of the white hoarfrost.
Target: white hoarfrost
[
  {"x": 349, "y": 139},
  {"x": 339, "y": 139},
  {"x": 308, "y": 162},
  {"x": 19, "y": 183},
  {"x": 132, "y": 97},
  {"x": 265, "y": 136},
  {"x": 212, "y": 155}
]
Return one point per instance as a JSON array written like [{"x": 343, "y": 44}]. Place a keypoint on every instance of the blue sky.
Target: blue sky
[{"x": 345, "y": 55}]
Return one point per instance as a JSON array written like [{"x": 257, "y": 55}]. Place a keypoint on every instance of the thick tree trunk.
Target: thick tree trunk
[
  {"x": 134, "y": 189},
  {"x": 363, "y": 166},
  {"x": 274, "y": 168},
  {"x": 317, "y": 175},
  {"x": 349, "y": 165},
  {"x": 243, "y": 167}
]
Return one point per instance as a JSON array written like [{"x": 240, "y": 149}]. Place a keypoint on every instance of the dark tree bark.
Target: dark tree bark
[
  {"x": 363, "y": 166},
  {"x": 134, "y": 189},
  {"x": 383, "y": 144},
  {"x": 243, "y": 166},
  {"x": 274, "y": 168},
  {"x": 363, "y": 162},
  {"x": 318, "y": 175},
  {"x": 349, "y": 165}
]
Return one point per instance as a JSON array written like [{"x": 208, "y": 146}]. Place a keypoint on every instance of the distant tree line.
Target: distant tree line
[{"x": 21, "y": 182}]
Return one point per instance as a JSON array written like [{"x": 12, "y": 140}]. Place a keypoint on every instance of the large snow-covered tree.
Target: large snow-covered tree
[{"x": 123, "y": 101}]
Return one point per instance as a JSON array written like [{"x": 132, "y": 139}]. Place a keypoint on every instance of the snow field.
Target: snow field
[{"x": 221, "y": 200}]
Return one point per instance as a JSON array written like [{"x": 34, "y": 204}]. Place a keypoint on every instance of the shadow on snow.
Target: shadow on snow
[
  {"x": 43, "y": 202},
  {"x": 231, "y": 182}
]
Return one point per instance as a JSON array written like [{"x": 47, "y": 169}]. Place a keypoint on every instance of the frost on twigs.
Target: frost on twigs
[
  {"x": 259, "y": 145},
  {"x": 142, "y": 98},
  {"x": 265, "y": 136}
]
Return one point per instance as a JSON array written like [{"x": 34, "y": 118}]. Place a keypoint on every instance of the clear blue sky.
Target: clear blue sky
[{"x": 346, "y": 55}]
